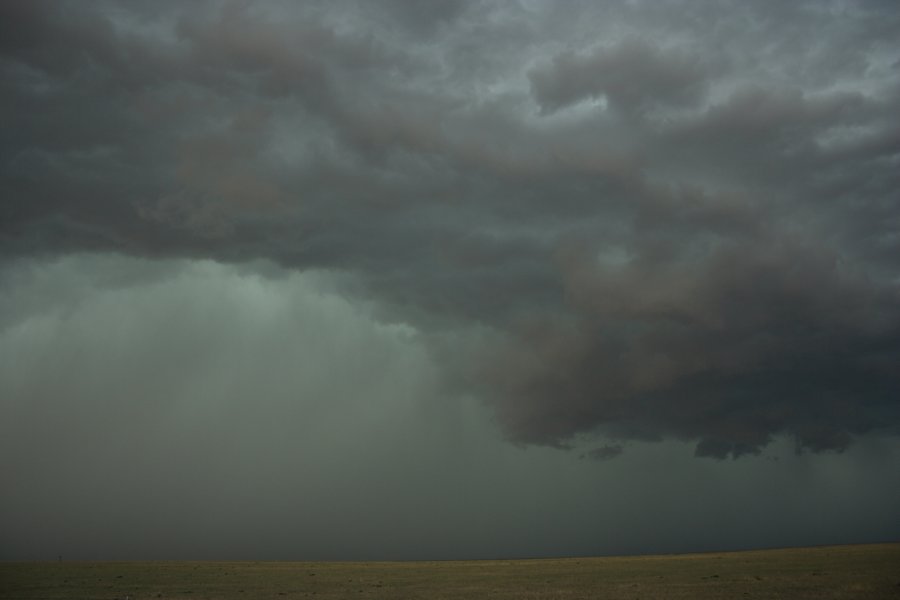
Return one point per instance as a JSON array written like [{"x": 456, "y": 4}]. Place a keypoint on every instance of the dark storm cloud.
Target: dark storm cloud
[
  {"x": 731, "y": 346},
  {"x": 645, "y": 220}
]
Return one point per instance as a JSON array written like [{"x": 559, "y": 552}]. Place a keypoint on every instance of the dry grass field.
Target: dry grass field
[{"x": 864, "y": 571}]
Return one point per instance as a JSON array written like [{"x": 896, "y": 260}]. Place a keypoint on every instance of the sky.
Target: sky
[{"x": 395, "y": 279}]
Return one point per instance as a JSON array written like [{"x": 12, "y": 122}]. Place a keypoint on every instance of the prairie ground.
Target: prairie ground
[{"x": 863, "y": 571}]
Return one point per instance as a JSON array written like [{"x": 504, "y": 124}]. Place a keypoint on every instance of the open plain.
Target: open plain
[{"x": 859, "y": 571}]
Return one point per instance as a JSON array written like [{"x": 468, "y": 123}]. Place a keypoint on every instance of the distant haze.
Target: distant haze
[{"x": 457, "y": 279}]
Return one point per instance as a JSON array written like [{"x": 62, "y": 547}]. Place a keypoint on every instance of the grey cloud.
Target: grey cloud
[
  {"x": 734, "y": 347},
  {"x": 633, "y": 75},
  {"x": 423, "y": 18},
  {"x": 710, "y": 257},
  {"x": 603, "y": 452}
]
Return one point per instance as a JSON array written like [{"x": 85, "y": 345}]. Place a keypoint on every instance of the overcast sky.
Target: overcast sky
[{"x": 456, "y": 279}]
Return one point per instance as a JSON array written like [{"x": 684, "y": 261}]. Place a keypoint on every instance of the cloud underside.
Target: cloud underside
[{"x": 647, "y": 221}]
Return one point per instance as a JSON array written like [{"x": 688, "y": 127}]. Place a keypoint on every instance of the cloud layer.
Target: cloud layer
[
  {"x": 644, "y": 220},
  {"x": 193, "y": 410}
]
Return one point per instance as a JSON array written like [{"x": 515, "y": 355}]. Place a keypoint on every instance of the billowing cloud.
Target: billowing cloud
[
  {"x": 185, "y": 409},
  {"x": 643, "y": 221}
]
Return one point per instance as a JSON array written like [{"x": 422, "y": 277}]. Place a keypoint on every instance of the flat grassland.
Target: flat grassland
[{"x": 865, "y": 571}]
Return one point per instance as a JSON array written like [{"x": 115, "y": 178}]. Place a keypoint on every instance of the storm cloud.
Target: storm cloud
[
  {"x": 607, "y": 223},
  {"x": 187, "y": 409}
]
